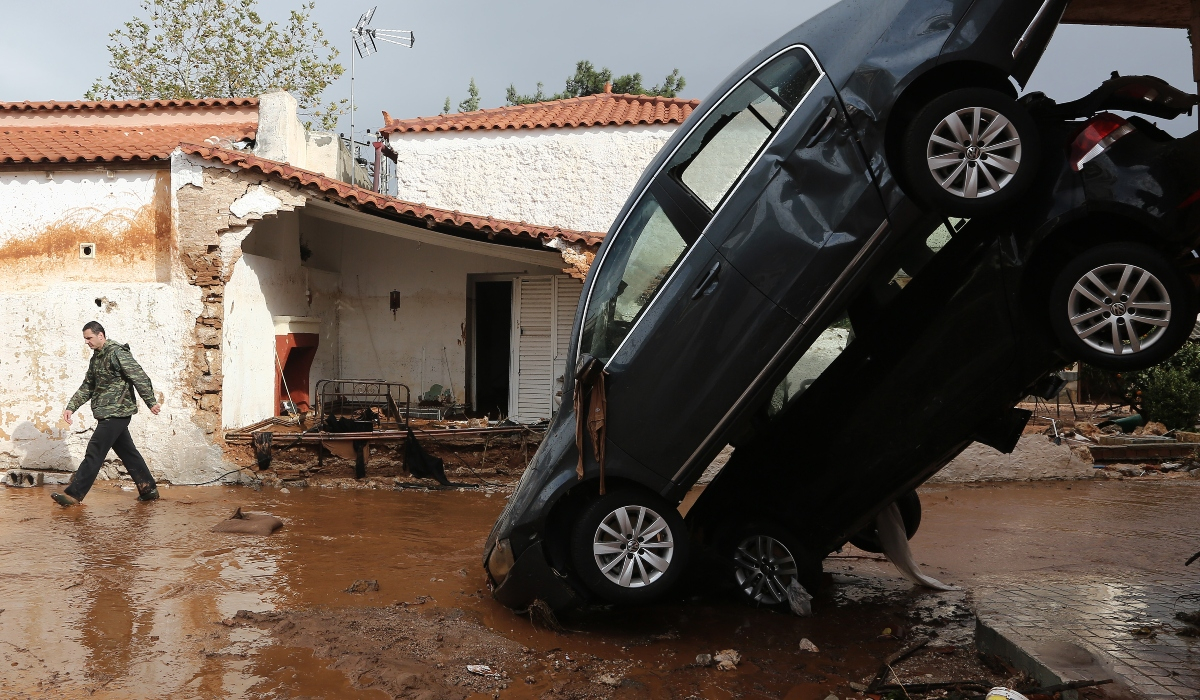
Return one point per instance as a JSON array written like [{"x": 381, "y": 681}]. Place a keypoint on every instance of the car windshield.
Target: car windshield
[
  {"x": 714, "y": 157},
  {"x": 634, "y": 268}
]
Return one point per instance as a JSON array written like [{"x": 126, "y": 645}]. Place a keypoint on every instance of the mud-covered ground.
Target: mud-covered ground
[{"x": 119, "y": 599}]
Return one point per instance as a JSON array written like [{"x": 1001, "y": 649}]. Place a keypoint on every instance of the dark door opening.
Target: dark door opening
[{"x": 493, "y": 325}]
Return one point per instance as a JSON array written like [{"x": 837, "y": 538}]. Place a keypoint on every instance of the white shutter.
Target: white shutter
[
  {"x": 566, "y": 299},
  {"x": 531, "y": 368}
]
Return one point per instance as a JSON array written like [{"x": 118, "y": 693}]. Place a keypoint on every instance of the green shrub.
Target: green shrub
[
  {"x": 1168, "y": 392},
  {"x": 1171, "y": 396}
]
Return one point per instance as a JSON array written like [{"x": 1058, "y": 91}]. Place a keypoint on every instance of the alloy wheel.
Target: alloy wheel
[
  {"x": 764, "y": 568},
  {"x": 633, "y": 546},
  {"x": 1119, "y": 309},
  {"x": 974, "y": 152}
]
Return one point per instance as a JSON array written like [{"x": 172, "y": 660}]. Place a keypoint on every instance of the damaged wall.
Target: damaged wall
[
  {"x": 217, "y": 207},
  {"x": 50, "y": 292},
  {"x": 45, "y": 217},
  {"x": 577, "y": 178}
]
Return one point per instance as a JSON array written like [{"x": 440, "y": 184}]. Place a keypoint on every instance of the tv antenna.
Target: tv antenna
[{"x": 365, "y": 37}]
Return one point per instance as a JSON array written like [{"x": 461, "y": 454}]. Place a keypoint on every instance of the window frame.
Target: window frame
[{"x": 698, "y": 212}]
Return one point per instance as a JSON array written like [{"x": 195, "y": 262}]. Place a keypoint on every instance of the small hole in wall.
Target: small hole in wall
[
  {"x": 87, "y": 251},
  {"x": 99, "y": 302}
]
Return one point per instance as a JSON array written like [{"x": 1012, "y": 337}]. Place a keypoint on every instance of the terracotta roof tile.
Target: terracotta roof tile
[
  {"x": 602, "y": 109},
  {"x": 83, "y": 105},
  {"x": 361, "y": 196},
  {"x": 83, "y": 144}
]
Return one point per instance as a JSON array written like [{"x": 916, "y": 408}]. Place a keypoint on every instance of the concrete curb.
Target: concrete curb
[{"x": 1048, "y": 663}]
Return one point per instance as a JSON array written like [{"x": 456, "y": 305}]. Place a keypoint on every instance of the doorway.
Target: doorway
[{"x": 493, "y": 326}]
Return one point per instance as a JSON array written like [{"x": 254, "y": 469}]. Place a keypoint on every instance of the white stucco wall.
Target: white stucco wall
[
  {"x": 577, "y": 178},
  {"x": 43, "y": 219},
  {"x": 45, "y": 361},
  {"x": 425, "y": 343}
]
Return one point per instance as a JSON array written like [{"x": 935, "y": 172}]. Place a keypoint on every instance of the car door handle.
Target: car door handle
[
  {"x": 709, "y": 281},
  {"x": 829, "y": 118}
]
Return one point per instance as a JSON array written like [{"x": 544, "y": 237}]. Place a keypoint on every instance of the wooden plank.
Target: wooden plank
[{"x": 1175, "y": 14}]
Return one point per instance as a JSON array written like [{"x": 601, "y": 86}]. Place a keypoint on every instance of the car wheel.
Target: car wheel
[
  {"x": 910, "y": 512},
  {"x": 1121, "y": 306},
  {"x": 970, "y": 152},
  {"x": 765, "y": 562},
  {"x": 629, "y": 546}
]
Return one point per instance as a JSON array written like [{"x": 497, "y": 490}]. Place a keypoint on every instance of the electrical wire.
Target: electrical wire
[{"x": 213, "y": 481}]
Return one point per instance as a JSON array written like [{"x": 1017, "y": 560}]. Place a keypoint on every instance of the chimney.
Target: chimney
[{"x": 608, "y": 88}]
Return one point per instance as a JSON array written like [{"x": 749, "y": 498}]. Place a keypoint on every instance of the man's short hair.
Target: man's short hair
[{"x": 95, "y": 327}]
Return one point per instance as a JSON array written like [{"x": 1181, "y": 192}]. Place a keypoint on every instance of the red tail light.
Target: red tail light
[{"x": 1096, "y": 137}]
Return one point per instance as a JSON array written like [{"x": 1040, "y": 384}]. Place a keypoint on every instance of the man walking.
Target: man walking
[{"x": 111, "y": 379}]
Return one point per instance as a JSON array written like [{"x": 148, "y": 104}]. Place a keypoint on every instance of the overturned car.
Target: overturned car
[{"x": 862, "y": 218}]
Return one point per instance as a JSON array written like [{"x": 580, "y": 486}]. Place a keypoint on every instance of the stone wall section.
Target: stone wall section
[{"x": 215, "y": 210}]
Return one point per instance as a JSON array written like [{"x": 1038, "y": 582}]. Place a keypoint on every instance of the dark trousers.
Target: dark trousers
[{"x": 110, "y": 433}]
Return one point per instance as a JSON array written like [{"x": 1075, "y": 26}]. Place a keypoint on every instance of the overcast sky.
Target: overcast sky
[{"x": 55, "y": 50}]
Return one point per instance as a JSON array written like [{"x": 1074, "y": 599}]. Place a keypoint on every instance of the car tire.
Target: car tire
[
  {"x": 910, "y": 512},
  {"x": 1157, "y": 306},
  {"x": 616, "y": 559},
  {"x": 970, "y": 152},
  {"x": 764, "y": 561}
]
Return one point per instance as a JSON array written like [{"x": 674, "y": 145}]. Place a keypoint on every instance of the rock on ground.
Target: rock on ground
[{"x": 1035, "y": 458}]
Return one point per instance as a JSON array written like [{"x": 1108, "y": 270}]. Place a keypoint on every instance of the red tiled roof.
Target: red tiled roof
[
  {"x": 54, "y": 105},
  {"x": 361, "y": 196},
  {"x": 601, "y": 109},
  {"x": 64, "y": 143}
]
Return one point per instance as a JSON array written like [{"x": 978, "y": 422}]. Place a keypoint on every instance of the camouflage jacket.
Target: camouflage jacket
[{"x": 111, "y": 378}]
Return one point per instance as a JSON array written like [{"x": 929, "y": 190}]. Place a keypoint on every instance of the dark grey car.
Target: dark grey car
[{"x": 741, "y": 248}]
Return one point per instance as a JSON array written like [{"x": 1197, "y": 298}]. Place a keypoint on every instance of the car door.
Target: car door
[
  {"x": 684, "y": 333},
  {"x": 816, "y": 213}
]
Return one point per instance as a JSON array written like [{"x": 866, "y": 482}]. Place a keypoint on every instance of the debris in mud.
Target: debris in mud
[
  {"x": 727, "y": 659},
  {"x": 249, "y": 524},
  {"x": 807, "y": 645},
  {"x": 799, "y": 600},
  {"x": 608, "y": 679},
  {"x": 704, "y": 660},
  {"x": 540, "y": 614},
  {"x": 483, "y": 670},
  {"x": 363, "y": 586},
  {"x": 885, "y": 669}
]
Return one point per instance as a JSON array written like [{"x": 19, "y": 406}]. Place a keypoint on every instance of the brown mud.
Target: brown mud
[{"x": 119, "y": 599}]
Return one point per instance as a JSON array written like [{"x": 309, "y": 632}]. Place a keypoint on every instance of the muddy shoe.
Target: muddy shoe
[
  {"x": 64, "y": 500},
  {"x": 151, "y": 495}
]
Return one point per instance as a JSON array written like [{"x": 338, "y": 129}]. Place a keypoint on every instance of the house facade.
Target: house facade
[{"x": 229, "y": 248}]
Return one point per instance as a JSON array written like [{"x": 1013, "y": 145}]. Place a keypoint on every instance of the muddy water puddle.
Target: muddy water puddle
[{"x": 119, "y": 599}]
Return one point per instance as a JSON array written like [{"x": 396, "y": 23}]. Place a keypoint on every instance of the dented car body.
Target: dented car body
[{"x": 781, "y": 261}]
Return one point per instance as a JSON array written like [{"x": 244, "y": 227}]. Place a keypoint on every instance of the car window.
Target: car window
[
  {"x": 917, "y": 255},
  {"x": 824, "y": 350},
  {"x": 716, "y": 154},
  {"x": 640, "y": 258}
]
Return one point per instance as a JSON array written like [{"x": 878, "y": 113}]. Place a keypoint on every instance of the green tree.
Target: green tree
[
  {"x": 194, "y": 49},
  {"x": 514, "y": 98},
  {"x": 671, "y": 85},
  {"x": 472, "y": 102},
  {"x": 446, "y": 106},
  {"x": 588, "y": 80}
]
